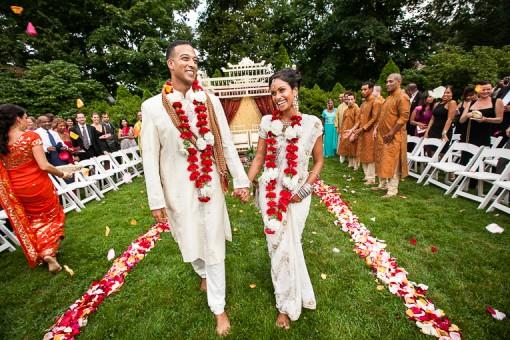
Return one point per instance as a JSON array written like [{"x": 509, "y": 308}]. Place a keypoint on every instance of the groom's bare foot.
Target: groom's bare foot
[
  {"x": 203, "y": 285},
  {"x": 222, "y": 324},
  {"x": 283, "y": 321}
]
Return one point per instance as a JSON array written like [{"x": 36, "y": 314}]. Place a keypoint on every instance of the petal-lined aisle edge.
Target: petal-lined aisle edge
[
  {"x": 430, "y": 320},
  {"x": 68, "y": 324}
]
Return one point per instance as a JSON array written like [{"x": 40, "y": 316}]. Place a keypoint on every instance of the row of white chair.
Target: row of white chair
[
  {"x": 464, "y": 162},
  {"x": 245, "y": 139},
  {"x": 98, "y": 176}
]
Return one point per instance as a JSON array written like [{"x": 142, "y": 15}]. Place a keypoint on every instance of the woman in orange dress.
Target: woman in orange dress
[{"x": 26, "y": 192}]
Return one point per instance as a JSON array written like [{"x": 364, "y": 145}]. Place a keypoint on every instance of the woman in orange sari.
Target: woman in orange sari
[{"x": 26, "y": 192}]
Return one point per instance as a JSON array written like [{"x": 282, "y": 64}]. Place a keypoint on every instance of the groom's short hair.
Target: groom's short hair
[{"x": 173, "y": 45}]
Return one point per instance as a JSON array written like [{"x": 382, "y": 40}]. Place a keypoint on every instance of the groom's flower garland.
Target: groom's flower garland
[
  {"x": 68, "y": 324},
  {"x": 431, "y": 320},
  {"x": 276, "y": 209},
  {"x": 204, "y": 143}
]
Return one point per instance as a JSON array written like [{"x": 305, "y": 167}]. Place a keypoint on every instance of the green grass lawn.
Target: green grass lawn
[{"x": 161, "y": 298}]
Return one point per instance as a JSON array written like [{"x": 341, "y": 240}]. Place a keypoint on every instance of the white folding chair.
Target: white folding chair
[
  {"x": 478, "y": 172},
  {"x": 97, "y": 173},
  {"x": 81, "y": 189},
  {"x": 4, "y": 231},
  {"x": 134, "y": 158},
  {"x": 449, "y": 164},
  {"x": 122, "y": 161},
  {"x": 416, "y": 141},
  {"x": 6, "y": 245},
  {"x": 419, "y": 157},
  {"x": 67, "y": 196},
  {"x": 498, "y": 202},
  {"x": 241, "y": 140}
]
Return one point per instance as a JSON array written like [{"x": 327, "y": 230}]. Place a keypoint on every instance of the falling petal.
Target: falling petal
[
  {"x": 107, "y": 231},
  {"x": 434, "y": 249},
  {"x": 79, "y": 103},
  {"x": 17, "y": 9},
  {"x": 68, "y": 270},
  {"x": 235, "y": 229},
  {"x": 372, "y": 219},
  {"x": 412, "y": 241},
  {"x": 380, "y": 287},
  {"x": 496, "y": 314},
  {"x": 324, "y": 276},
  {"x": 241, "y": 211},
  {"x": 111, "y": 254},
  {"x": 133, "y": 222},
  {"x": 336, "y": 250},
  {"x": 31, "y": 31},
  {"x": 404, "y": 197},
  {"x": 253, "y": 285},
  {"x": 314, "y": 232}
]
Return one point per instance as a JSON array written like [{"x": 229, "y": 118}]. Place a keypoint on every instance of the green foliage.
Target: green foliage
[
  {"x": 126, "y": 106},
  {"x": 50, "y": 87},
  {"x": 282, "y": 59},
  {"x": 388, "y": 69},
  {"x": 313, "y": 100},
  {"x": 455, "y": 66},
  {"x": 217, "y": 74}
]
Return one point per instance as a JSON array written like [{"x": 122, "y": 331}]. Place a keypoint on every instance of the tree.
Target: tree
[
  {"x": 388, "y": 69},
  {"x": 282, "y": 59}
]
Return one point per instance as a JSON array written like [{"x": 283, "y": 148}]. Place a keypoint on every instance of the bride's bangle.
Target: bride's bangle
[
  {"x": 316, "y": 173},
  {"x": 304, "y": 191}
]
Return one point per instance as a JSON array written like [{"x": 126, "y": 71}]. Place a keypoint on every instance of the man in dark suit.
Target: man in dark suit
[
  {"x": 87, "y": 138},
  {"x": 416, "y": 99},
  {"x": 112, "y": 139},
  {"x": 504, "y": 95}
]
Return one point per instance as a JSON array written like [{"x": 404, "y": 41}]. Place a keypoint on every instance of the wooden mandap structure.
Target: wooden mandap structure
[{"x": 245, "y": 96}]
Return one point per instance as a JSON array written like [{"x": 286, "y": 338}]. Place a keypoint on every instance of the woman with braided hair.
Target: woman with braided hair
[{"x": 26, "y": 192}]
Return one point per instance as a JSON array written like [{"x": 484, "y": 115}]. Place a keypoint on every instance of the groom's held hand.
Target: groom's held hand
[
  {"x": 243, "y": 194},
  {"x": 160, "y": 215}
]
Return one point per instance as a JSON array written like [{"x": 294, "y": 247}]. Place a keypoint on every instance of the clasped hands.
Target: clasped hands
[{"x": 242, "y": 193}]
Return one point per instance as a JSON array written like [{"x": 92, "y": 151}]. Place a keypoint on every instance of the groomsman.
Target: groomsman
[
  {"x": 391, "y": 143},
  {"x": 369, "y": 112},
  {"x": 85, "y": 137}
]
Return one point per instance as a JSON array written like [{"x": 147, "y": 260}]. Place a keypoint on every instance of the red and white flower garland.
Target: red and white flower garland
[
  {"x": 199, "y": 174},
  {"x": 276, "y": 209},
  {"x": 430, "y": 320},
  {"x": 68, "y": 324}
]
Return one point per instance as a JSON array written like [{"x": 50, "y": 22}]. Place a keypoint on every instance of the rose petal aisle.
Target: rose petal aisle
[
  {"x": 68, "y": 324},
  {"x": 430, "y": 320}
]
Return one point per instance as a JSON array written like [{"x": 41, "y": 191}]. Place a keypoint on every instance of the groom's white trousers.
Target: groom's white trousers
[{"x": 215, "y": 275}]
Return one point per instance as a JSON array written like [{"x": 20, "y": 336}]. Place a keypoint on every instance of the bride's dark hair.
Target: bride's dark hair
[
  {"x": 8, "y": 115},
  {"x": 288, "y": 75}
]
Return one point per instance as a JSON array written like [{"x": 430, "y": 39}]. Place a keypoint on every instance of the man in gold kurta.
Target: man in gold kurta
[
  {"x": 348, "y": 144},
  {"x": 391, "y": 137},
  {"x": 369, "y": 112},
  {"x": 339, "y": 118}
]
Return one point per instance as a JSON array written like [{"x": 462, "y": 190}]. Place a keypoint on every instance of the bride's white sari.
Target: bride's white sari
[{"x": 292, "y": 285}]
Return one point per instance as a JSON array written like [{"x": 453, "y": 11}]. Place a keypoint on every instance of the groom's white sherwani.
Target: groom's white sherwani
[{"x": 200, "y": 229}]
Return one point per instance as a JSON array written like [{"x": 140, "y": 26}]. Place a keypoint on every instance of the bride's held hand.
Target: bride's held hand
[{"x": 295, "y": 199}]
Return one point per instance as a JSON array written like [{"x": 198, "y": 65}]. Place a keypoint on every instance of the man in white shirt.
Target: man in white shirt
[
  {"x": 52, "y": 143},
  {"x": 174, "y": 172}
]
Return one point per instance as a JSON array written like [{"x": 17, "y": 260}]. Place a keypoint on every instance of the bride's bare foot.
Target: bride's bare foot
[
  {"x": 283, "y": 321},
  {"x": 203, "y": 285},
  {"x": 222, "y": 324},
  {"x": 53, "y": 265}
]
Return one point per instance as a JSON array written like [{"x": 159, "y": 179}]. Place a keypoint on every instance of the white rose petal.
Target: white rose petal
[
  {"x": 206, "y": 191},
  {"x": 290, "y": 133},
  {"x": 209, "y": 138},
  {"x": 111, "y": 254},
  {"x": 201, "y": 144},
  {"x": 173, "y": 97},
  {"x": 199, "y": 96},
  {"x": 276, "y": 127}
]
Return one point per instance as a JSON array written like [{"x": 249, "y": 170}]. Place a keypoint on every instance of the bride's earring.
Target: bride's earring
[{"x": 295, "y": 103}]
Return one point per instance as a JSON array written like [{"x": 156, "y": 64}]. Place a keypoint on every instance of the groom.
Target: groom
[{"x": 185, "y": 172}]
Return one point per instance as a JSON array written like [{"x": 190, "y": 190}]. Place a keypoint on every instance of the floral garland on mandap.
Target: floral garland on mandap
[
  {"x": 276, "y": 209},
  {"x": 68, "y": 324},
  {"x": 203, "y": 147},
  {"x": 430, "y": 320}
]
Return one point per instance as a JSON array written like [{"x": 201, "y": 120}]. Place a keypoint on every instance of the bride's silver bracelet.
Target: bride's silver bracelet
[{"x": 304, "y": 191}]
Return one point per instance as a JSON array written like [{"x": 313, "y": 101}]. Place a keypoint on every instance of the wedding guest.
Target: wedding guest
[
  {"x": 70, "y": 122},
  {"x": 100, "y": 133},
  {"x": 330, "y": 135},
  {"x": 85, "y": 140},
  {"x": 66, "y": 156},
  {"x": 111, "y": 140},
  {"x": 26, "y": 192},
  {"x": 125, "y": 135},
  {"x": 52, "y": 143},
  {"x": 284, "y": 217},
  {"x": 421, "y": 116},
  {"x": 483, "y": 116},
  {"x": 31, "y": 123},
  {"x": 468, "y": 96},
  {"x": 443, "y": 114},
  {"x": 415, "y": 98},
  {"x": 137, "y": 129}
]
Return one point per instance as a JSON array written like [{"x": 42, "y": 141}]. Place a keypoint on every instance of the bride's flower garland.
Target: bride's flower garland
[
  {"x": 68, "y": 324},
  {"x": 199, "y": 174},
  {"x": 420, "y": 309},
  {"x": 276, "y": 209}
]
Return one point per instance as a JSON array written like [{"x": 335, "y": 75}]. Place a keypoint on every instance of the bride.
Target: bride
[{"x": 287, "y": 140}]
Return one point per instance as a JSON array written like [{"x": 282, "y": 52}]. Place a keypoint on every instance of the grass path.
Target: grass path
[{"x": 161, "y": 299}]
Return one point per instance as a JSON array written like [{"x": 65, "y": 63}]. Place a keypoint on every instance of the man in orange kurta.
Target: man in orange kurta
[
  {"x": 391, "y": 137},
  {"x": 348, "y": 143},
  {"x": 369, "y": 112}
]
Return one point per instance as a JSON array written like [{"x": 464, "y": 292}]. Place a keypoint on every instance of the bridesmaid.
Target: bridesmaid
[
  {"x": 330, "y": 133},
  {"x": 26, "y": 192}
]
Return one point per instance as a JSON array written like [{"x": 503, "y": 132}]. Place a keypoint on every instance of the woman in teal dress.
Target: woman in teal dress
[{"x": 330, "y": 134}]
